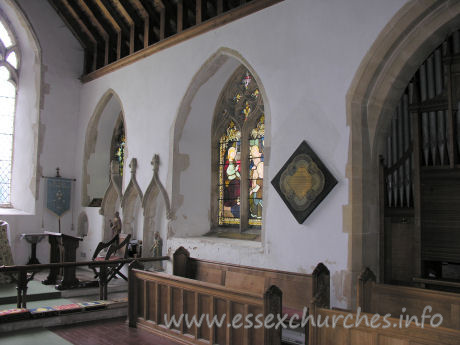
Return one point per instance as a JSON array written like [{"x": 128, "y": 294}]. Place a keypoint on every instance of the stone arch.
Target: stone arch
[
  {"x": 96, "y": 159},
  {"x": 111, "y": 201},
  {"x": 153, "y": 207},
  {"x": 131, "y": 205},
  {"x": 412, "y": 34},
  {"x": 206, "y": 84}
]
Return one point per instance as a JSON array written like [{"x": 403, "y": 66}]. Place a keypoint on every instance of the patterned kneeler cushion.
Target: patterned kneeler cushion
[
  {"x": 93, "y": 305},
  {"x": 14, "y": 314},
  {"x": 68, "y": 308},
  {"x": 42, "y": 312}
]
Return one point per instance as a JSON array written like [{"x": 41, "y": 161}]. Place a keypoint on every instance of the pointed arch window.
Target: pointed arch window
[
  {"x": 119, "y": 144},
  {"x": 9, "y": 65},
  {"x": 238, "y": 162}
]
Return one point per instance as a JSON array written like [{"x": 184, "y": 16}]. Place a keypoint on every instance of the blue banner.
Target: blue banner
[{"x": 58, "y": 195}]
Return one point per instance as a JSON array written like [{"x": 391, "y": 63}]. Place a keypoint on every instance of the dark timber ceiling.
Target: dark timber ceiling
[{"x": 110, "y": 30}]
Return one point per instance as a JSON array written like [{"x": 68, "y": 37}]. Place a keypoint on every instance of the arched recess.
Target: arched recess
[
  {"x": 111, "y": 200},
  {"x": 131, "y": 205},
  {"x": 154, "y": 203},
  {"x": 191, "y": 182},
  {"x": 406, "y": 41},
  {"x": 97, "y": 154}
]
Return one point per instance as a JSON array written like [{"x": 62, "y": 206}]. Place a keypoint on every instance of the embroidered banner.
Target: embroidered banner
[{"x": 58, "y": 195}]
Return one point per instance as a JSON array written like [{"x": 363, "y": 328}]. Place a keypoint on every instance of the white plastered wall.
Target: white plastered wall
[
  {"x": 47, "y": 115},
  {"x": 305, "y": 54}
]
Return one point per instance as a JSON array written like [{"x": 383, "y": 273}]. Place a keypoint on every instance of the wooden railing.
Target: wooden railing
[{"x": 25, "y": 273}]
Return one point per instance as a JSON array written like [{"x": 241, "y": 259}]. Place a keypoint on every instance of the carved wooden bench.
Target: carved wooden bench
[
  {"x": 351, "y": 329},
  {"x": 156, "y": 297},
  {"x": 375, "y": 325},
  {"x": 298, "y": 289},
  {"x": 384, "y": 299}
]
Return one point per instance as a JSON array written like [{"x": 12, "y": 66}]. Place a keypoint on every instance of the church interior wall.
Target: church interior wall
[
  {"x": 305, "y": 54},
  {"x": 59, "y": 64}
]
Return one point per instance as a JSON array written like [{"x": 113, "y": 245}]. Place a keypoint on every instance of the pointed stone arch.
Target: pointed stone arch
[
  {"x": 412, "y": 34},
  {"x": 111, "y": 200},
  {"x": 210, "y": 79},
  {"x": 154, "y": 202},
  {"x": 96, "y": 156},
  {"x": 131, "y": 204}
]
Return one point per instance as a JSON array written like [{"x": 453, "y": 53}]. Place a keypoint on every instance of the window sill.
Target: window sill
[
  {"x": 233, "y": 235},
  {"x": 197, "y": 241},
  {"x": 11, "y": 211}
]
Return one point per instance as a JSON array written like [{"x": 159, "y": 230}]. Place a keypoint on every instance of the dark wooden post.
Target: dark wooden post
[
  {"x": 54, "y": 257},
  {"x": 321, "y": 285},
  {"x": 273, "y": 302},
  {"x": 132, "y": 293},
  {"x": 69, "y": 245},
  {"x": 366, "y": 281},
  {"x": 21, "y": 288},
  {"x": 103, "y": 282},
  {"x": 181, "y": 262}
]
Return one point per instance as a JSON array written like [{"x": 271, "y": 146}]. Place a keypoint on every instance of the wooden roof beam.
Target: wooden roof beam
[
  {"x": 100, "y": 11},
  {"x": 79, "y": 27},
  {"x": 128, "y": 19},
  {"x": 200, "y": 11},
  {"x": 84, "y": 20},
  {"x": 139, "y": 24},
  {"x": 139, "y": 8},
  {"x": 154, "y": 17},
  {"x": 169, "y": 11},
  {"x": 220, "y": 7},
  {"x": 92, "y": 18},
  {"x": 183, "y": 15},
  {"x": 124, "y": 26}
]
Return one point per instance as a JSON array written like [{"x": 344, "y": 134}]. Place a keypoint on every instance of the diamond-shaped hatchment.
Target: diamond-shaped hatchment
[{"x": 303, "y": 182}]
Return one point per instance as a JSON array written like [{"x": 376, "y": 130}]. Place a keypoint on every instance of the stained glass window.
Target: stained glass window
[
  {"x": 118, "y": 145},
  {"x": 229, "y": 176},
  {"x": 256, "y": 173},
  {"x": 240, "y": 117},
  {"x": 8, "y": 82}
]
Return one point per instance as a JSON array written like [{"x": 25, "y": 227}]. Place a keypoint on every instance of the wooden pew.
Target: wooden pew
[
  {"x": 154, "y": 295},
  {"x": 363, "y": 335},
  {"x": 383, "y": 299},
  {"x": 298, "y": 289},
  {"x": 200, "y": 286}
]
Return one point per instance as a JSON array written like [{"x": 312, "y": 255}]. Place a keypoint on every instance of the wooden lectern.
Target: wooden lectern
[{"x": 63, "y": 249}]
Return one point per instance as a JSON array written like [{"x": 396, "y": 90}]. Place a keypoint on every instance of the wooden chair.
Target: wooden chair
[{"x": 117, "y": 249}]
